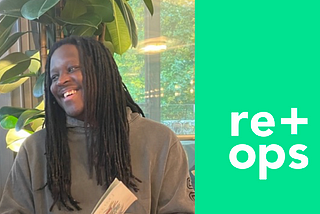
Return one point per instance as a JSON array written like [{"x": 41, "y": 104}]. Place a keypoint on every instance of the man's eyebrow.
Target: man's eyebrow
[{"x": 53, "y": 70}]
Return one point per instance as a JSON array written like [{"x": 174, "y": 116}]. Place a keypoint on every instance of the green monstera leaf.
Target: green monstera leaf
[
  {"x": 12, "y": 7},
  {"x": 149, "y": 5},
  {"x": 15, "y": 138},
  {"x": 27, "y": 117},
  {"x": 35, "y": 8},
  {"x": 13, "y": 66},
  {"x": 88, "y": 19},
  {"x": 10, "y": 41},
  {"x": 101, "y": 7},
  {"x": 118, "y": 31},
  {"x": 6, "y": 24},
  {"x": 73, "y": 9},
  {"x": 38, "y": 88}
]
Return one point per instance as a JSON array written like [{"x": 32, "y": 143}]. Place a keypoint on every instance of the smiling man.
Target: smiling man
[
  {"x": 66, "y": 77},
  {"x": 95, "y": 132}
]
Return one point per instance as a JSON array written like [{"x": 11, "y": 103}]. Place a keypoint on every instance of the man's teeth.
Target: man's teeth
[{"x": 68, "y": 93}]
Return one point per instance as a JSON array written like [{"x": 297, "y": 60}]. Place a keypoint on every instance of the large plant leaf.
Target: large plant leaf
[
  {"x": 119, "y": 31},
  {"x": 133, "y": 28},
  {"x": 37, "y": 124},
  {"x": 30, "y": 53},
  {"x": 27, "y": 116},
  {"x": 99, "y": 31},
  {"x": 9, "y": 122},
  {"x": 47, "y": 18},
  {"x": 125, "y": 15},
  {"x": 73, "y": 9},
  {"x": 107, "y": 36},
  {"x": 107, "y": 42},
  {"x": 101, "y": 7},
  {"x": 40, "y": 106},
  {"x": 11, "y": 65},
  {"x": 12, "y": 7},
  {"x": 88, "y": 19},
  {"x": 14, "y": 64},
  {"x": 38, "y": 88},
  {"x": 10, "y": 41},
  {"x": 109, "y": 45},
  {"x": 6, "y": 88},
  {"x": 16, "y": 78},
  {"x": 6, "y": 24},
  {"x": 83, "y": 31},
  {"x": 35, "y": 63},
  {"x": 11, "y": 111},
  {"x": 149, "y": 5},
  {"x": 14, "y": 139},
  {"x": 35, "y": 8}
]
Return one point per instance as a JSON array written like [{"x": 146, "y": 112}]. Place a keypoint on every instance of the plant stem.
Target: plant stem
[
  {"x": 103, "y": 34},
  {"x": 43, "y": 47},
  {"x": 59, "y": 31}
]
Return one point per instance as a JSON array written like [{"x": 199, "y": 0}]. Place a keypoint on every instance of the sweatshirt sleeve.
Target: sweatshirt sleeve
[
  {"x": 17, "y": 195},
  {"x": 177, "y": 194}
]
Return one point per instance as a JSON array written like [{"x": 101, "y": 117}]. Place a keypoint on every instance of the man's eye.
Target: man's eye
[
  {"x": 73, "y": 68},
  {"x": 54, "y": 78}
]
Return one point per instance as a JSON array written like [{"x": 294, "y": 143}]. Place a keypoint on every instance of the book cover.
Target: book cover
[{"x": 116, "y": 199}]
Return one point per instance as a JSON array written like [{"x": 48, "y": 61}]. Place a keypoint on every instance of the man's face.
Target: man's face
[{"x": 66, "y": 76}]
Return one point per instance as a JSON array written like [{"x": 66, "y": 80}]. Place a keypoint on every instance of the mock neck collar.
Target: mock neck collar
[{"x": 73, "y": 122}]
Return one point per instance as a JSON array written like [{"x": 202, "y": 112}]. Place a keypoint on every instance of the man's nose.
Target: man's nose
[{"x": 63, "y": 79}]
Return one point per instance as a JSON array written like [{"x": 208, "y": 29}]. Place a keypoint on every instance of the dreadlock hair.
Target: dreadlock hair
[{"x": 105, "y": 100}]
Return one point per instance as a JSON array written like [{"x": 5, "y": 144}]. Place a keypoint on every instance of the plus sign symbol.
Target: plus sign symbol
[{"x": 294, "y": 121}]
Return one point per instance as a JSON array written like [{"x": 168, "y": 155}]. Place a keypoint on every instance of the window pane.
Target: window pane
[{"x": 159, "y": 73}]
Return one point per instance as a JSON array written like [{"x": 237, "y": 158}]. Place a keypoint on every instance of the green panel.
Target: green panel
[{"x": 256, "y": 56}]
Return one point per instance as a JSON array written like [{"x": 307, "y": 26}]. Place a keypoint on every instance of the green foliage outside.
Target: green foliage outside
[{"x": 177, "y": 62}]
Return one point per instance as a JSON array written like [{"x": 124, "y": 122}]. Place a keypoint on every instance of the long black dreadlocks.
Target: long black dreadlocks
[{"x": 105, "y": 102}]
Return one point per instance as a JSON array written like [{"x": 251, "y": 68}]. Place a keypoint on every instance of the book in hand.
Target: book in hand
[{"x": 116, "y": 199}]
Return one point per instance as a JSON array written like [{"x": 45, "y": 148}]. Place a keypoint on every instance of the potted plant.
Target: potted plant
[{"x": 109, "y": 21}]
